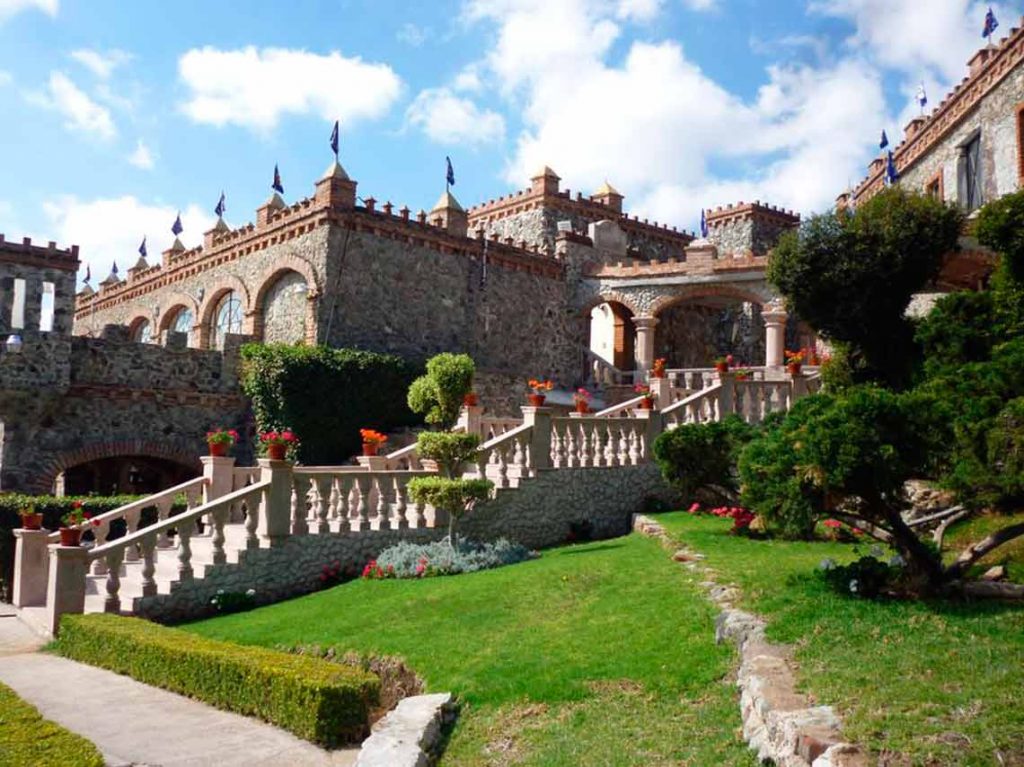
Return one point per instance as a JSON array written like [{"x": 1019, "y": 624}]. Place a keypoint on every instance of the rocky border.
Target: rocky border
[
  {"x": 410, "y": 734},
  {"x": 778, "y": 722}
]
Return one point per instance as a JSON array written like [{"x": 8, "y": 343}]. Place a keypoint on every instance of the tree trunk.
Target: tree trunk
[{"x": 976, "y": 551}]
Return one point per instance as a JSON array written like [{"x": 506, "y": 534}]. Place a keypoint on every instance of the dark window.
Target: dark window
[{"x": 969, "y": 178}]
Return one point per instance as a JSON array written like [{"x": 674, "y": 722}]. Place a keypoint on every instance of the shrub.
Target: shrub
[
  {"x": 959, "y": 329},
  {"x": 322, "y": 702},
  {"x": 456, "y": 497},
  {"x": 451, "y": 451},
  {"x": 438, "y": 395},
  {"x": 422, "y": 560},
  {"x": 325, "y": 395},
  {"x": 867, "y": 578},
  {"x": 693, "y": 457},
  {"x": 233, "y": 601},
  {"x": 27, "y": 739}
]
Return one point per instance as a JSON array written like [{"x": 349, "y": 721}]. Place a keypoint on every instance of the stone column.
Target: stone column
[
  {"x": 654, "y": 428},
  {"x": 726, "y": 395},
  {"x": 661, "y": 388},
  {"x": 276, "y": 508},
  {"x": 219, "y": 473},
  {"x": 774, "y": 315},
  {"x": 31, "y": 564},
  {"x": 540, "y": 440},
  {"x": 65, "y": 590},
  {"x": 644, "y": 343},
  {"x": 469, "y": 419}
]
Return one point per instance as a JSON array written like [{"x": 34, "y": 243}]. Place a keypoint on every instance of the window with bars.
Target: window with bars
[{"x": 969, "y": 174}]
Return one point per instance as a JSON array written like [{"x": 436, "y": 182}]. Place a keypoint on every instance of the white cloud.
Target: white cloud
[
  {"x": 6, "y": 78},
  {"x": 81, "y": 112},
  {"x": 468, "y": 79},
  {"x": 255, "y": 88},
  {"x": 101, "y": 64},
  {"x": 412, "y": 34},
  {"x": 450, "y": 119},
  {"x": 141, "y": 157},
  {"x": 9, "y": 8},
  {"x": 109, "y": 230},
  {"x": 700, "y": 5},
  {"x": 641, "y": 10}
]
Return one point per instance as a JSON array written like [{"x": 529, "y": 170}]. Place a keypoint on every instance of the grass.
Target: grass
[
  {"x": 596, "y": 654},
  {"x": 28, "y": 740},
  {"x": 920, "y": 683},
  {"x": 962, "y": 534}
]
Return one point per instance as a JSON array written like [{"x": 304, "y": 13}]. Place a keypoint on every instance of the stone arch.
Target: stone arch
[
  {"x": 214, "y": 294},
  {"x": 179, "y": 452},
  {"x": 270, "y": 278},
  {"x": 136, "y": 323},
  {"x": 174, "y": 302},
  {"x": 610, "y": 297},
  {"x": 690, "y": 293}
]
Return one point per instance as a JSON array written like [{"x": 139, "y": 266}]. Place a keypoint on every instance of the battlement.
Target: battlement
[
  {"x": 752, "y": 210},
  {"x": 987, "y": 69},
  {"x": 44, "y": 257}
]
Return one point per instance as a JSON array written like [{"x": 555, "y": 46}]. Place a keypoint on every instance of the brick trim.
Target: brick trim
[
  {"x": 214, "y": 293},
  {"x": 169, "y": 450}
]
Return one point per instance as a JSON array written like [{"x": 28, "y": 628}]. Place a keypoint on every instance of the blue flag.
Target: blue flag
[
  {"x": 451, "y": 172},
  {"x": 703, "y": 224},
  {"x": 990, "y": 23},
  {"x": 277, "y": 186},
  {"x": 88, "y": 273},
  {"x": 334, "y": 139},
  {"x": 922, "y": 97},
  {"x": 142, "y": 248},
  {"x": 221, "y": 207},
  {"x": 176, "y": 227},
  {"x": 891, "y": 174},
  {"x": 113, "y": 269},
  {"x": 884, "y": 142}
]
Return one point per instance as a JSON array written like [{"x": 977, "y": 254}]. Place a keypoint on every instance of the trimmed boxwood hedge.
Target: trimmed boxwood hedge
[
  {"x": 326, "y": 395},
  {"x": 29, "y": 740},
  {"x": 322, "y": 702},
  {"x": 53, "y": 508}
]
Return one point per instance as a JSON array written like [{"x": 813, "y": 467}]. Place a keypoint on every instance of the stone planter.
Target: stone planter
[
  {"x": 370, "y": 448},
  {"x": 32, "y": 521},
  {"x": 218, "y": 449},
  {"x": 70, "y": 536},
  {"x": 277, "y": 452},
  {"x": 537, "y": 400}
]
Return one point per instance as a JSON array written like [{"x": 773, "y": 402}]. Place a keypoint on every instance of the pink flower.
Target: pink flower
[
  {"x": 832, "y": 523},
  {"x": 694, "y": 508}
]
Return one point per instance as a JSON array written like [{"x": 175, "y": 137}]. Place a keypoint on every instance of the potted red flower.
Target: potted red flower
[
  {"x": 278, "y": 443},
  {"x": 794, "y": 361},
  {"x": 221, "y": 440},
  {"x": 71, "y": 524},
  {"x": 647, "y": 403},
  {"x": 658, "y": 371},
  {"x": 538, "y": 391},
  {"x": 470, "y": 399},
  {"x": 372, "y": 441},
  {"x": 744, "y": 374},
  {"x": 582, "y": 399},
  {"x": 722, "y": 363},
  {"x": 30, "y": 518}
]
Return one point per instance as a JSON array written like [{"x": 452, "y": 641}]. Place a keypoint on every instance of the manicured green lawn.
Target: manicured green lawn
[
  {"x": 596, "y": 654},
  {"x": 28, "y": 740},
  {"x": 923, "y": 683}
]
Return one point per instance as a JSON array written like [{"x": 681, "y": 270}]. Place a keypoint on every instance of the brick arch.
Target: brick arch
[
  {"x": 214, "y": 293},
  {"x": 179, "y": 452},
  {"x": 661, "y": 303},
  {"x": 289, "y": 263},
  {"x": 611, "y": 297},
  {"x": 136, "y": 322},
  {"x": 174, "y": 301}
]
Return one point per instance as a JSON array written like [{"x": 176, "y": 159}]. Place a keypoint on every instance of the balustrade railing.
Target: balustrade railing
[
  {"x": 701, "y": 407},
  {"x": 594, "y": 441},
  {"x": 601, "y": 373},
  {"x": 506, "y": 458},
  {"x": 332, "y": 500}
]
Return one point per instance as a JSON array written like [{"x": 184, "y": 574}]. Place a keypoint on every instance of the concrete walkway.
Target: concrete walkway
[{"x": 135, "y": 724}]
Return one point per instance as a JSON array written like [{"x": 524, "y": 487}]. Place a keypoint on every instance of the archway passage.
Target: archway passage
[
  {"x": 693, "y": 332},
  {"x": 116, "y": 475},
  {"x": 613, "y": 334}
]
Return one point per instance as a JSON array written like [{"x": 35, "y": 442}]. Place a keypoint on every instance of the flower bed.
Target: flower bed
[{"x": 424, "y": 560}]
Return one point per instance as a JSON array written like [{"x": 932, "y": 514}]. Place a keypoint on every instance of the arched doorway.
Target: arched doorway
[
  {"x": 613, "y": 334},
  {"x": 119, "y": 475},
  {"x": 284, "y": 308}
]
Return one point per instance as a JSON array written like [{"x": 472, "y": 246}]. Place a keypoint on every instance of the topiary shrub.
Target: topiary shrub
[
  {"x": 695, "y": 457},
  {"x": 438, "y": 395},
  {"x": 326, "y": 395},
  {"x": 450, "y": 450},
  {"x": 455, "y": 497},
  {"x": 321, "y": 702}
]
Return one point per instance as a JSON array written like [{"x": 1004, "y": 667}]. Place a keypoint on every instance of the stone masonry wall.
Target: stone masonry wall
[{"x": 537, "y": 514}]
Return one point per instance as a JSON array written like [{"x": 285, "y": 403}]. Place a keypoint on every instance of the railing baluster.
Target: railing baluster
[
  {"x": 131, "y": 519},
  {"x": 383, "y": 485},
  {"x": 163, "y": 511},
  {"x": 217, "y": 519},
  {"x": 100, "y": 533},
  {"x": 344, "y": 490},
  {"x": 112, "y": 602},
  {"x": 401, "y": 502},
  {"x": 252, "y": 522},
  {"x": 362, "y": 521},
  {"x": 324, "y": 485},
  {"x": 185, "y": 549},
  {"x": 148, "y": 565}
]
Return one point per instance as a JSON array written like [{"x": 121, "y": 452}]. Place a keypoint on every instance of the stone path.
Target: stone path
[{"x": 135, "y": 724}]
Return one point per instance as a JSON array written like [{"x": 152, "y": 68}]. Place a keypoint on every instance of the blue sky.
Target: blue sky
[{"x": 118, "y": 114}]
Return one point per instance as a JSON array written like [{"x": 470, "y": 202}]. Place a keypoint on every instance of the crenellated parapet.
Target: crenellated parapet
[{"x": 748, "y": 229}]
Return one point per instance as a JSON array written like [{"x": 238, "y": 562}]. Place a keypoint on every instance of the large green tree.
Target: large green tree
[{"x": 851, "y": 275}]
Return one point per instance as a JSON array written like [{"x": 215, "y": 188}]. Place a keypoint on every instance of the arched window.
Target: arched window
[
  {"x": 180, "y": 320},
  {"x": 227, "y": 318},
  {"x": 142, "y": 332}
]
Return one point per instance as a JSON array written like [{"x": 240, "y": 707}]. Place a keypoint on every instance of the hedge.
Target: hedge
[
  {"x": 326, "y": 395},
  {"x": 52, "y": 508},
  {"x": 29, "y": 740},
  {"x": 322, "y": 702}
]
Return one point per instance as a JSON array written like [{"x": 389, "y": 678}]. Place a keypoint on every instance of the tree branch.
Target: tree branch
[
  {"x": 876, "y": 532},
  {"x": 940, "y": 531},
  {"x": 976, "y": 551},
  {"x": 935, "y": 517},
  {"x": 989, "y": 589}
]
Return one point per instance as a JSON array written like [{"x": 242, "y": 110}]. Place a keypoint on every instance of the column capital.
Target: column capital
[
  {"x": 645, "y": 322},
  {"x": 774, "y": 312}
]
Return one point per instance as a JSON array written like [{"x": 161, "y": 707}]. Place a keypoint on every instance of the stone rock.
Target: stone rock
[
  {"x": 407, "y": 736},
  {"x": 842, "y": 755},
  {"x": 997, "y": 573},
  {"x": 924, "y": 498},
  {"x": 687, "y": 556}
]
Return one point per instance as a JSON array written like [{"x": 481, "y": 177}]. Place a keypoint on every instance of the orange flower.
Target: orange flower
[{"x": 373, "y": 437}]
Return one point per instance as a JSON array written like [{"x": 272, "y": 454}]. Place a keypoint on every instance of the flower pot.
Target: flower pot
[
  {"x": 721, "y": 367},
  {"x": 658, "y": 373},
  {"x": 370, "y": 448},
  {"x": 70, "y": 536},
  {"x": 32, "y": 521},
  {"x": 218, "y": 449},
  {"x": 470, "y": 400},
  {"x": 794, "y": 368},
  {"x": 537, "y": 400},
  {"x": 582, "y": 407},
  {"x": 429, "y": 464},
  {"x": 277, "y": 452},
  {"x": 647, "y": 404}
]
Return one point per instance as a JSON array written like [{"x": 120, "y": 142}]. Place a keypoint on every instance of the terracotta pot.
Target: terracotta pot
[
  {"x": 70, "y": 536},
  {"x": 470, "y": 400},
  {"x": 537, "y": 400},
  {"x": 32, "y": 521},
  {"x": 722, "y": 367},
  {"x": 582, "y": 407},
  {"x": 277, "y": 452},
  {"x": 370, "y": 448},
  {"x": 657, "y": 372},
  {"x": 219, "y": 449},
  {"x": 646, "y": 404},
  {"x": 794, "y": 368}
]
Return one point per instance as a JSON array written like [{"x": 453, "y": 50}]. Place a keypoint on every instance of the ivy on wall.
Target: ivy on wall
[{"x": 326, "y": 395}]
